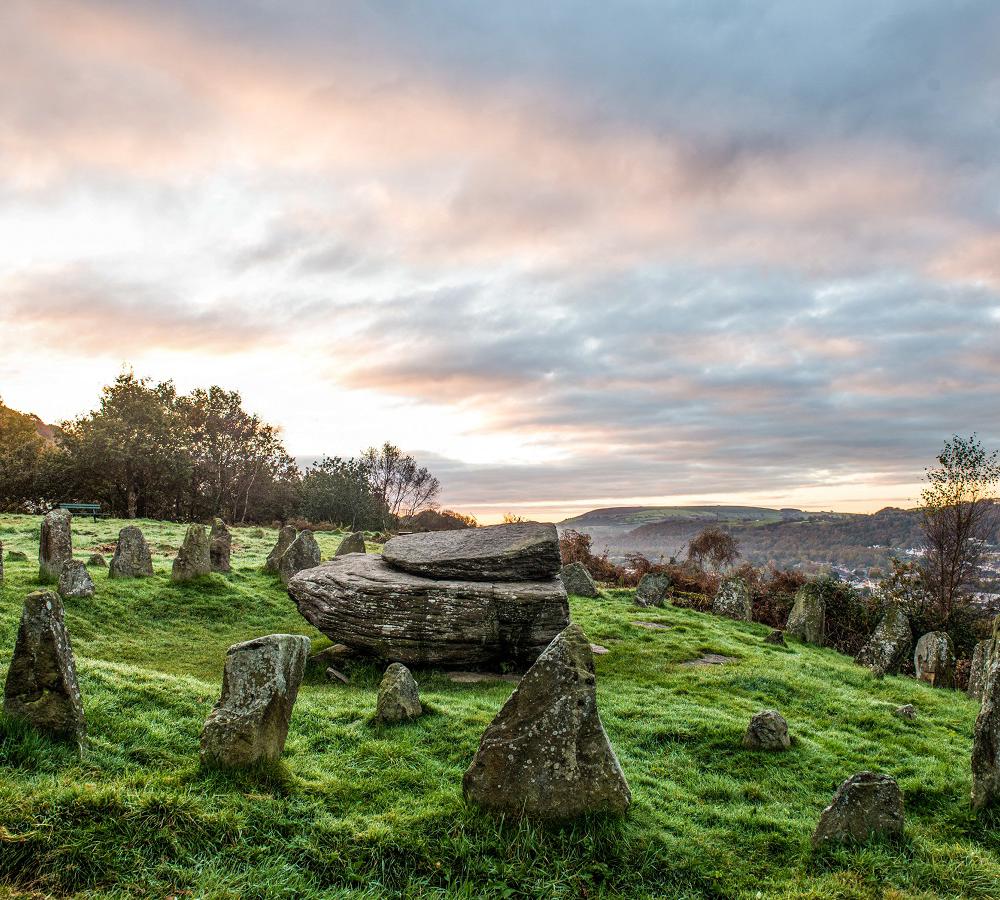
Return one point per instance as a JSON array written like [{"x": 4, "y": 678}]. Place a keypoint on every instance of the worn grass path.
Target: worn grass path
[{"x": 356, "y": 812}]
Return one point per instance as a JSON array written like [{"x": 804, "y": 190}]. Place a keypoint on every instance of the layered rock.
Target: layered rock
[
  {"x": 934, "y": 659},
  {"x": 734, "y": 600},
  {"x": 302, "y": 553},
  {"x": 889, "y": 646},
  {"x": 75, "y": 581},
  {"x": 576, "y": 579},
  {"x": 866, "y": 805},
  {"x": 652, "y": 589},
  {"x": 546, "y": 753},
  {"x": 358, "y": 600},
  {"x": 986, "y": 743},
  {"x": 132, "y": 558},
  {"x": 767, "y": 730},
  {"x": 41, "y": 686},
  {"x": 527, "y": 551},
  {"x": 220, "y": 547},
  {"x": 55, "y": 546},
  {"x": 398, "y": 696},
  {"x": 807, "y": 620},
  {"x": 194, "y": 559},
  {"x": 353, "y": 543},
  {"x": 260, "y": 682},
  {"x": 285, "y": 537}
]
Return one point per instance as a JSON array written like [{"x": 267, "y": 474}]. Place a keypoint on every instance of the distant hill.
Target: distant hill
[{"x": 641, "y": 515}]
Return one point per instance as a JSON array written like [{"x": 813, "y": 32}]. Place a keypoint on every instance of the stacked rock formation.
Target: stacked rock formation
[
  {"x": 132, "y": 558},
  {"x": 55, "y": 547},
  {"x": 471, "y": 597}
]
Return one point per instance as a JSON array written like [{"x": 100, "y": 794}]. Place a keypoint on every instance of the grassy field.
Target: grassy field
[{"x": 358, "y": 812}]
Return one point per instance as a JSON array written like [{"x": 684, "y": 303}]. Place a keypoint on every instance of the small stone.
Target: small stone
[
  {"x": 220, "y": 547},
  {"x": 333, "y": 674},
  {"x": 710, "y": 659},
  {"x": 75, "y": 581},
  {"x": 598, "y": 650},
  {"x": 653, "y": 626},
  {"x": 889, "y": 646},
  {"x": 776, "y": 637},
  {"x": 481, "y": 677},
  {"x": 17, "y": 556},
  {"x": 193, "y": 560},
  {"x": 546, "y": 753},
  {"x": 285, "y": 537},
  {"x": 767, "y": 731},
  {"x": 733, "y": 600},
  {"x": 866, "y": 805},
  {"x": 303, "y": 553},
  {"x": 807, "y": 620},
  {"x": 398, "y": 698},
  {"x": 934, "y": 659},
  {"x": 986, "y": 743},
  {"x": 41, "y": 686},
  {"x": 260, "y": 682},
  {"x": 353, "y": 543},
  {"x": 652, "y": 589},
  {"x": 907, "y": 711},
  {"x": 321, "y": 661},
  {"x": 576, "y": 579},
  {"x": 55, "y": 546},
  {"x": 97, "y": 561},
  {"x": 132, "y": 558}
]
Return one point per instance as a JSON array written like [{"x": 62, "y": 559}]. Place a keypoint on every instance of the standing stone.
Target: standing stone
[
  {"x": 302, "y": 553},
  {"x": 75, "y": 581},
  {"x": 527, "y": 551},
  {"x": 220, "y": 547},
  {"x": 979, "y": 668},
  {"x": 733, "y": 600},
  {"x": 398, "y": 698},
  {"x": 55, "y": 548},
  {"x": 285, "y": 537},
  {"x": 260, "y": 682},
  {"x": 768, "y": 730},
  {"x": 546, "y": 753},
  {"x": 1, "y": 562},
  {"x": 97, "y": 561},
  {"x": 41, "y": 685},
  {"x": 194, "y": 559},
  {"x": 986, "y": 743},
  {"x": 934, "y": 659},
  {"x": 576, "y": 579},
  {"x": 353, "y": 543},
  {"x": 807, "y": 620},
  {"x": 652, "y": 590},
  {"x": 889, "y": 646},
  {"x": 17, "y": 556},
  {"x": 866, "y": 805},
  {"x": 132, "y": 558}
]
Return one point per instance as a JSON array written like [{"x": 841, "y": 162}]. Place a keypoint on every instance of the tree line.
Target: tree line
[{"x": 147, "y": 451}]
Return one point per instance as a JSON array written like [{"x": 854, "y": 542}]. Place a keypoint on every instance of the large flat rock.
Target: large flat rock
[
  {"x": 527, "y": 551},
  {"x": 360, "y": 601}
]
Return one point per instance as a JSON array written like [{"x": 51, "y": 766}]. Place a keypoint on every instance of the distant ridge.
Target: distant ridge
[{"x": 634, "y": 516}]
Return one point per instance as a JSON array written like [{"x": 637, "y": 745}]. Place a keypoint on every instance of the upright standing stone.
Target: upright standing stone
[
  {"x": 866, "y": 805},
  {"x": 546, "y": 753},
  {"x": 41, "y": 685},
  {"x": 986, "y": 744},
  {"x": 132, "y": 558},
  {"x": 193, "y": 560},
  {"x": 285, "y": 537},
  {"x": 353, "y": 543},
  {"x": 807, "y": 620},
  {"x": 889, "y": 646},
  {"x": 733, "y": 600},
  {"x": 934, "y": 659},
  {"x": 55, "y": 548},
  {"x": 576, "y": 579},
  {"x": 398, "y": 697},
  {"x": 75, "y": 581},
  {"x": 260, "y": 682},
  {"x": 979, "y": 668},
  {"x": 652, "y": 589},
  {"x": 302, "y": 553},
  {"x": 220, "y": 547}
]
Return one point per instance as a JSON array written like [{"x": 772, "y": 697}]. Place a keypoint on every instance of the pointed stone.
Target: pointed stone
[
  {"x": 734, "y": 600},
  {"x": 652, "y": 589},
  {"x": 889, "y": 646},
  {"x": 194, "y": 559},
  {"x": 285, "y": 537},
  {"x": 866, "y": 805},
  {"x": 979, "y": 668},
  {"x": 398, "y": 697},
  {"x": 546, "y": 753},
  {"x": 353, "y": 543},
  {"x": 303, "y": 553},
  {"x": 41, "y": 686},
  {"x": 934, "y": 659},
  {"x": 220, "y": 547},
  {"x": 55, "y": 546},
  {"x": 132, "y": 558},
  {"x": 75, "y": 581},
  {"x": 576, "y": 579},
  {"x": 260, "y": 682},
  {"x": 807, "y": 620},
  {"x": 986, "y": 743}
]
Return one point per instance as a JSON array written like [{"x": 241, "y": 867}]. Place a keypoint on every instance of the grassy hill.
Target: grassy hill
[
  {"x": 357, "y": 812},
  {"x": 633, "y": 516}
]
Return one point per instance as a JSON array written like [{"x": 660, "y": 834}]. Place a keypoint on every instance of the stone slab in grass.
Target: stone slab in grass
[
  {"x": 653, "y": 626},
  {"x": 709, "y": 659},
  {"x": 481, "y": 677}
]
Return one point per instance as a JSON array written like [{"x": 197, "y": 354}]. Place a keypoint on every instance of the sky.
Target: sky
[{"x": 567, "y": 254}]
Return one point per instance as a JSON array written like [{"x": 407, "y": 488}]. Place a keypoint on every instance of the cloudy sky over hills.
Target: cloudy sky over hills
[{"x": 569, "y": 254}]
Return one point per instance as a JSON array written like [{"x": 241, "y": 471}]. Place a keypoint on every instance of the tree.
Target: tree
[
  {"x": 959, "y": 514},
  {"x": 21, "y": 451},
  {"x": 512, "y": 519},
  {"x": 339, "y": 490},
  {"x": 716, "y": 547},
  {"x": 401, "y": 486}
]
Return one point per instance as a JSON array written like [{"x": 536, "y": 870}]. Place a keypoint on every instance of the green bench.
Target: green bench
[{"x": 87, "y": 509}]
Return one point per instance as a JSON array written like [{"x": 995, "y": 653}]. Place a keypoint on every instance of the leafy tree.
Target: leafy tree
[
  {"x": 21, "y": 449},
  {"x": 401, "y": 487},
  {"x": 716, "y": 547},
  {"x": 339, "y": 490}
]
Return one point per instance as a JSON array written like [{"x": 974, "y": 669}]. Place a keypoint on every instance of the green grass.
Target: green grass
[{"x": 359, "y": 812}]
